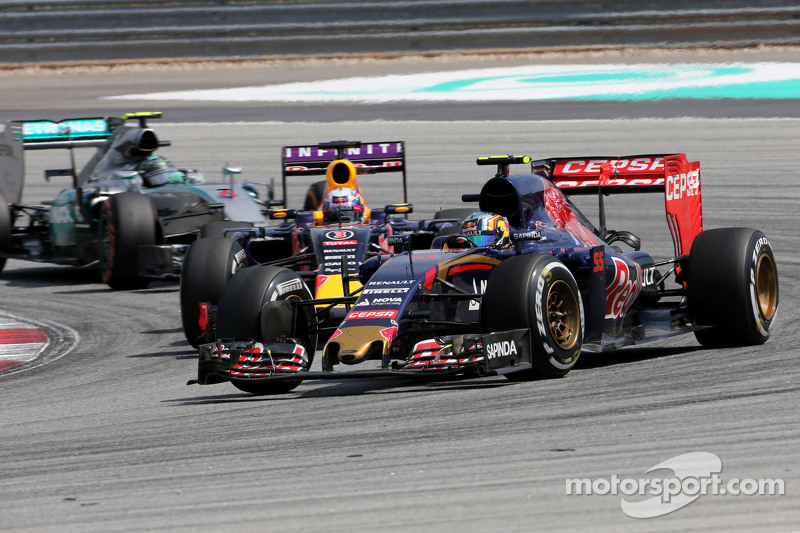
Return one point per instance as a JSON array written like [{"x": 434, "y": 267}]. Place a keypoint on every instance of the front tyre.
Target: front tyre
[
  {"x": 207, "y": 267},
  {"x": 239, "y": 315},
  {"x": 732, "y": 285},
  {"x": 538, "y": 292},
  {"x": 127, "y": 221}
]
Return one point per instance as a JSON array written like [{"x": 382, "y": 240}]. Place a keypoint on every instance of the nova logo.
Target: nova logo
[
  {"x": 501, "y": 349},
  {"x": 386, "y": 301}
]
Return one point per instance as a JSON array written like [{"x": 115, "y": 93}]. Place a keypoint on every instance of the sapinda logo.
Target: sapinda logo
[{"x": 501, "y": 349}]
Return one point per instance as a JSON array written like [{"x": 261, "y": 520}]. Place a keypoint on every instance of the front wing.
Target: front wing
[{"x": 479, "y": 355}]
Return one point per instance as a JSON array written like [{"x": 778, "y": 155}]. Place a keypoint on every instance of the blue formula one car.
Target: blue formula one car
[
  {"x": 324, "y": 243},
  {"x": 128, "y": 210},
  {"x": 522, "y": 290}
]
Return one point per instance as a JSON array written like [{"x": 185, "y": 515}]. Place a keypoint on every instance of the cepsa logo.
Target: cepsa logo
[
  {"x": 621, "y": 166},
  {"x": 371, "y": 314},
  {"x": 680, "y": 185}
]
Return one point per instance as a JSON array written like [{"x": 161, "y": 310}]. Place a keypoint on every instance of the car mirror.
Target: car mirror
[
  {"x": 395, "y": 209},
  {"x": 281, "y": 214}
]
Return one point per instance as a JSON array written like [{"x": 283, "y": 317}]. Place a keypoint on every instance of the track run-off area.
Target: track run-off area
[
  {"x": 604, "y": 82},
  {"x": 108, "y": 437}
]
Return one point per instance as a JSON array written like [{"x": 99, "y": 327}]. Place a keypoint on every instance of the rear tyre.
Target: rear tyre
[
  {"x": 207, "y": 267},
  {"x": 537, "y": 292},
  {"x": 732, "y": 285},
  {"x": 217, "y": 229},
  {"x": 127, "y": 221},
  {"x": 239, "y": 315},
  {"x": 5, "y": 230},
  {"x": 314, "y": 196}
]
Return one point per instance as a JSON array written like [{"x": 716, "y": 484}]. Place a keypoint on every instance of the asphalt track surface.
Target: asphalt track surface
[{"x": 109, "y": 438}]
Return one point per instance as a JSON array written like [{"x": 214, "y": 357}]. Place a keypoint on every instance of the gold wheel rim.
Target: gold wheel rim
[
  {"x": 563, "y": 315},
  {"x": 766, "y": 286}
]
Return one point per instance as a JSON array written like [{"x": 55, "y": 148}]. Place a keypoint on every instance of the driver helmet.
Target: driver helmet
[
  {"x": 157, "y": 170},
  {"x": 343, "y": 205},
  {"x": 485, "y": 229}
]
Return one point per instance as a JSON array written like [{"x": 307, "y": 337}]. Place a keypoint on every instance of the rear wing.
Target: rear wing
[
  {"x": 671, "y": 174},
  {"x": 626, "y": 174},
  {"x": 69, "y": 133},
  {"x": 17, "y": 136},
  {"x": 366, "y": 158}
]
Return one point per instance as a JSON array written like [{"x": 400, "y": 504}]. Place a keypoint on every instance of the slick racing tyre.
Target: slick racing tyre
[
  {"x": 207, "y": 267},
  {"x": 732, "y": 285},
  {"x": 538, "y": 292},
  {"x": 314, "y": 196},
  {"x": 217, "y": 229},
  {"x": 5, "y": 230},
  {"x": 127, "y": 221},
  {"x": 239, "y": 315}
]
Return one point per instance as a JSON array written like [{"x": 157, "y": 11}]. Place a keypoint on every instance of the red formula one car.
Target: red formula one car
[{"x": 527, "y": 285}]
